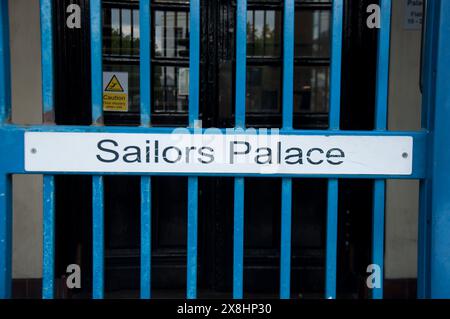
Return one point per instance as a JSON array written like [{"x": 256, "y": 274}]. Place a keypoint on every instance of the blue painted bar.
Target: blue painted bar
[
  {"x": 98, "y": 237},
  {"x": 145, "y": 84},
  {"x": 336, "y": 64},
  {"x": 21, "y": 129},
  {"x": 48, "y": 102},
  {"x": 5, "y": 77},
  {"x": 146, "y": 247},
  {"x": 96, "y": 61},
  {"x": 194, "y": 62},
  {"x": 378, "y": 233},
  {"x": 97, "y": 181},
  {"x": 239, "y": 182},
  {"x": 288, "y": 114},
  {"x": 48, "y": 258},
  {"x": 192, "y": 229},
  {"x": 288, "y": 64},
  {"x": 5, "y": 235},
  {"x": 381, "y": 109},
  {"x": 194, "y": 90},
  {"x": 145, "y": 61},
  {"x": 424, "y": 234},
  {"x": 383, "y": 62},
  {"x": 440, "y": 169},
  {"x": 48, "y": 85},
  {"x": 241, "y": 62},
  {"x": 331, "y": 239},
  {"x": 334, "y": 124},
  {"x": 424, "y": 240},
  {"x": 286, "y": 229},
  {"x": 5, "y": 180},
  {"x": 238, "y": 240}
]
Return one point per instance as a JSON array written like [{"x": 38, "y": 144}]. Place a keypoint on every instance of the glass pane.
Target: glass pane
[
  {"x": 121, "y": 31},
  {"x": 126, "y": 31},
  {"x": 311, "y": 89},
  {"x": 171, "y": 34},
  {"x": 263, "y": 89},
  {"x": 133, "y": 82},
  {"x": 263, "y": 33},
  {"x": 312, "y": 33},
  {"x": 136, "y": 32},
  {"x": 171, "y": 89},
  {"x": 115, "y": 31}
]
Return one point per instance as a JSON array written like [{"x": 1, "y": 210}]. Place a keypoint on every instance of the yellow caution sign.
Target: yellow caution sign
[
  {"x": 115, "y": 91},
  {"x": 114, "y": 85}
]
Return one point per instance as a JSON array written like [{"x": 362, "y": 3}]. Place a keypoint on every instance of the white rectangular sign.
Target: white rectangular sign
[
  {"x": 413, "y": 14},
  {"x": 218, "y": 154}
]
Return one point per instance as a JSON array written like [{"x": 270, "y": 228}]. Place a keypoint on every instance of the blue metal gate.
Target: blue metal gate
[{"x": 431, "y": 158}]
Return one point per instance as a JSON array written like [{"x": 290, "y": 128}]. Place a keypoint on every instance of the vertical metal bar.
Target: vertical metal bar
[
  {"x": 194, "y": 61},
  {"x": 145, "y": 61},
  {"x": 382, "y": 87},
  {"x": 334, "y": 124},
  {"x": 382, "y": 84},
  {"x": 286, "y": 227},
  {"x": 238, "y": 240},
  {"x": 48, "y": 258},
  {"x": 239, "y": 182},
  {"x": 191, "y": 278},
  {"x": 5, "y": 180},
  {"x": 439, "y": 264},
  {"x": 145, "y": 83},
  {"x": 48, "y": 96},
  {"x": 97, "y": 181},
  {"x": 96, "y": 61},
  {"x": 146, "y": 247},
  {"x": 288, "y": 112},
  {"x": 48, "y": 85},
  {"x": 98, "y": 237},
  {"x": 378, "y": 233},
  {"x": 241, "y": 62},
  {"x": 288, "y": 64},
  {"x": 430, "y": 37},
  {"x": 424, "y": 240},
  {"x": 194, "y": 88},
  {"x": 5, "y": 236},
  {"x": 336, "y": 64},
  {"x": 428, "y": 98},
  {"x": 332, "y": 237},
  {"x": 5, "y": 77}
]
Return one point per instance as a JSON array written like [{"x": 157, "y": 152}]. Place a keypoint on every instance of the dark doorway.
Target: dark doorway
[{"x": 170, "y": 64}]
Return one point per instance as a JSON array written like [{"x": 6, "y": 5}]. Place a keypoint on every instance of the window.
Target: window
[
  {"x": 312, "y": 60},
  {"x": 121, "y": 48},
  {"x": 170, "y": 60},
  {"x": 264, "y": 42},
  {"x": 265, "y": 57}
]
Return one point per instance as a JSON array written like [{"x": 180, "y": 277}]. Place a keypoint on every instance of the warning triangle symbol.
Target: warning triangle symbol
[{"x": 114, "y": 85}]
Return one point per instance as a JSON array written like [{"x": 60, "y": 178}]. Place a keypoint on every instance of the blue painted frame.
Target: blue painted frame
[
  {"x": 434, "y": 238},
  {"x": 434, "y": 268}
]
